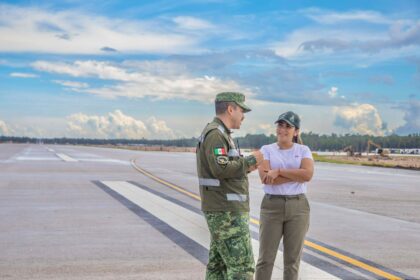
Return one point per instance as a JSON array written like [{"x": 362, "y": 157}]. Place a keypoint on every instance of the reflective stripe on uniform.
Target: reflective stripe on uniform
[
  {"x": 236, "y": 197},
  {"x": 209, "y": 182},
  {"x": 221, "y": 129}
]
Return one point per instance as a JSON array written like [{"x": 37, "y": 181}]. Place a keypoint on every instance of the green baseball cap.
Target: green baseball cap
[
  {"x": 236, "y": 97},
  {"x": 291, "y": 118}
]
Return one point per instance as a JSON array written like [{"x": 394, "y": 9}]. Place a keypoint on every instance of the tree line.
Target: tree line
[{"x": 316, "y": 142}]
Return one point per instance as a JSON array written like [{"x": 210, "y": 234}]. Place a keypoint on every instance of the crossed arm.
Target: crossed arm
[{"x": 280, "y": 176}]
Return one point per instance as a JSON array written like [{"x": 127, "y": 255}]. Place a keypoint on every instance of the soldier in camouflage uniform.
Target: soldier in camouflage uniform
[{"x": 223, "y": 180}]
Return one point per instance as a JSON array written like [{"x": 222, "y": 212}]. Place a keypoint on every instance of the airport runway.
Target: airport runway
[{"x": 70, "y": 212}]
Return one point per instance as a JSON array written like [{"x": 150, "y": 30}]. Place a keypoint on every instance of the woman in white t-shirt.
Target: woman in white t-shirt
[{"x": 287, "y": 166}]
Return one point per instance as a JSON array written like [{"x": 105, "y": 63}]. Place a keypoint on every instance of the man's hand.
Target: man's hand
[
  {"x": 258, "y": 156},
  {"x": 252, "y": 168}
]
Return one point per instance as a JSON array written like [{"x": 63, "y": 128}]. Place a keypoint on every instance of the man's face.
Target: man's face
[{"x": 237, "y": 116}]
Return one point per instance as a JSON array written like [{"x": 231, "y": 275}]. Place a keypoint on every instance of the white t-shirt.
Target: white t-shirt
[{"x": 285, "y": 159}]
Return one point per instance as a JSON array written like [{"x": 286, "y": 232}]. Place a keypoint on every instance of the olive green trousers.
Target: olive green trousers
[{"x": 284, "y": 217}]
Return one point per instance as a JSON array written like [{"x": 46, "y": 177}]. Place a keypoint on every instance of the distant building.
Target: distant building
[{"x": 415, "y": 151}]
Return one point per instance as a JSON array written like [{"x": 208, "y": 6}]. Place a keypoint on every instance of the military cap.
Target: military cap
[
  {"x": 290, "y": 118},
  {"x": 236, "y": 97}
]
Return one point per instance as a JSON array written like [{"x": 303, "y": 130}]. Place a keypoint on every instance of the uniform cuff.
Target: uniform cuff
[{"x": 250, "y": 160}]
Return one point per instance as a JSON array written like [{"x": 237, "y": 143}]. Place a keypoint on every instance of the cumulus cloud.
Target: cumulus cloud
[
  {"x": 362, "y": 119},
  {"x": 23, "y": 75},
  {"x": 266, "y": 128},
  {"x": 117, "y": 125},
  {"x": 159, "y": 128},
  {"x": 333, "y": 92},
  {"x": 4, "y": 130},
  {"x": 31, "y": 29},
  {"x": 138, "y": 80},
  {"x": 13, "y": 129},
  {"x": 411, "y": 118}
]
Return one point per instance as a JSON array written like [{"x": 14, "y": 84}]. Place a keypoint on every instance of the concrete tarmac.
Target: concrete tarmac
[{"x": 57, "y": 222}]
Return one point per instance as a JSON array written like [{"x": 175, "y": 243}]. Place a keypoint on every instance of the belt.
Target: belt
[{"x": 285, "y": 197}]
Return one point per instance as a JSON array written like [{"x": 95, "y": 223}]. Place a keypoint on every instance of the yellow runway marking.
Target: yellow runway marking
[
  {"x": 164, "y": 182},
  {"x": 315, "y": 246}
]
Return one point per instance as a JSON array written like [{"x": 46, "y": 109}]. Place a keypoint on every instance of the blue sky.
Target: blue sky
[{"x": 111, "y": 69}]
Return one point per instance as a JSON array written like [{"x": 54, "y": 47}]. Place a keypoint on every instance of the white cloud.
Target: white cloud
[
  {"x": 370, "y": 42},
  {"x": 136, "y": 82},
  {"x": 71, "y": 84},
  {"x": 23, "y": 75},
  {"x": 290, "y": 47},
  {"x": 333, "y": 92},
  {"x": 331, "y": 17},
  {"x": 34, "y": 126},
  {"x": 159, "y": 127},
  {"x": 362, "y": 119},
  {"x": 266, "y": 128},
  {"x": 87, "y": 68},
  {"x": 192, "y": 23},
  {"x": 117, "y": 125},
  {"x": 160, "y": 88},
  {"x": 30, "y": 29},
  {"x": 4, "y": 129}
]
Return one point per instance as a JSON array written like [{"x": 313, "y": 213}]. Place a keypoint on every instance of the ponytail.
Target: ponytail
[{"x": 297, "y": 139}]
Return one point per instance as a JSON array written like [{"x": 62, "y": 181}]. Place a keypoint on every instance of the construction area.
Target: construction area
[{"x": 374, "y": 155}]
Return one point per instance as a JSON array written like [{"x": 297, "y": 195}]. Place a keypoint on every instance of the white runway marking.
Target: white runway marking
[
  {"x": 66, "y": 157},
  {"x": 36, "y": 158},
  {"x": 194, "y": 226}
]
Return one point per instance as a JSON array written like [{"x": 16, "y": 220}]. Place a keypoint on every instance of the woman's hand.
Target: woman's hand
[{"x": 270, "y": 176}]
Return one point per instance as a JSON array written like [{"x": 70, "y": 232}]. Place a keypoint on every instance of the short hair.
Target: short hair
[{"x": 222, "y": 106}]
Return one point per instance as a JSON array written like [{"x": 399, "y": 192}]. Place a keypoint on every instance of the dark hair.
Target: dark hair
[{"x": 222, "y": 106}]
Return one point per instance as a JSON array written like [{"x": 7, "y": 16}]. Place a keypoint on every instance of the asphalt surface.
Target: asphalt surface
[{"x": 57, "y": 221}]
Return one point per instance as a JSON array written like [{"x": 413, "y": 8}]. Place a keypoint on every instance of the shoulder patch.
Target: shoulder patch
[
  {"x": 222, "y": 160},
  {"x": 219, "y": 151}
]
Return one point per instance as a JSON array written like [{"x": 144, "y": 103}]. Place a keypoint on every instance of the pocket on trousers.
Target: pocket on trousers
[
  {"x": 307, "y": 203},
  {"x": 238, "y": 250},
  {"x": 264, "y": 203}
]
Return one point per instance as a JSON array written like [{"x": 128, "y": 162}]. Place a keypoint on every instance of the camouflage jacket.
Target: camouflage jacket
[{"x": 222, "y": 171}]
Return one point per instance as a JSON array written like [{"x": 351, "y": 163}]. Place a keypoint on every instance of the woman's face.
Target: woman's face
[{"x": 285, "y": 132}]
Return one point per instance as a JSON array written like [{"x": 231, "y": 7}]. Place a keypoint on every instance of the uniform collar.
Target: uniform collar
[{"x": 219, "y": 121}]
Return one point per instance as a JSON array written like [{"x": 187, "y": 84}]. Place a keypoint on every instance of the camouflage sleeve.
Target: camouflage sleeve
[{"x": 216, "y": 149}]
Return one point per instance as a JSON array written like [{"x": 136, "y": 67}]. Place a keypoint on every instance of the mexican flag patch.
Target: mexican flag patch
[{"x": 220, "y": 151}]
